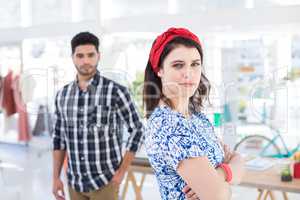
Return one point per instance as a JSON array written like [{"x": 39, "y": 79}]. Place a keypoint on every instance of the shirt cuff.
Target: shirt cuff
[{"x": 58, "y": 144}]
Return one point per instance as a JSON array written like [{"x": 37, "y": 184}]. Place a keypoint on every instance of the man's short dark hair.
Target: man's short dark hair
[{"x": 84, "y": 38}]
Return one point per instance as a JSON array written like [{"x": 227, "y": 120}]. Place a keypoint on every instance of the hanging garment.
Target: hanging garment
[
  {"x": 8, "y": 101},
  {"x": 27, "y": 85},
  {"x": 44, "y": 122},
  {"x": 1, "y": 90},
  {"x": 9, "y": 123},
  {"x": 23, "y": 123}
]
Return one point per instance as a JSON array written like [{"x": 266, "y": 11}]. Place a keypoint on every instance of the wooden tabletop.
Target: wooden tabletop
[{"x": 267, "y": 179}]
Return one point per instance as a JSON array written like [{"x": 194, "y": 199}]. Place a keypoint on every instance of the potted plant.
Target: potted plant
[{"x": 286, "y": 175}]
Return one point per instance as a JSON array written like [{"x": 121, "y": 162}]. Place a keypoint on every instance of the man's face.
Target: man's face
[{"x": 85, "y": 59}]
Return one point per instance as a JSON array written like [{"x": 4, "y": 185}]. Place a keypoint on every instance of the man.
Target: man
[{"x": 89, "y": 117}]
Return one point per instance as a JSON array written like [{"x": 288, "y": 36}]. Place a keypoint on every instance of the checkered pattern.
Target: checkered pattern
[{"x": 89, "y": 125}]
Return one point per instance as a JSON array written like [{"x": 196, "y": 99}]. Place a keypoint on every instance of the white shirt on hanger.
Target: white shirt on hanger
[{"x": 27, "y": 85}]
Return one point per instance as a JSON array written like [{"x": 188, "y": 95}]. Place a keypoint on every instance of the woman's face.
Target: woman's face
[{"x": 181, "y": 72}]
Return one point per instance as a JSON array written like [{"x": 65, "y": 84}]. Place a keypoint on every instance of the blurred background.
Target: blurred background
[{"x": 251, "y": 57}]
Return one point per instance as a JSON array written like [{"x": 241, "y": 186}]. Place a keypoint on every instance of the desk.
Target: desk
[
  {"x": 265, "y": 181},
  {"x": 268, "y": 180}
]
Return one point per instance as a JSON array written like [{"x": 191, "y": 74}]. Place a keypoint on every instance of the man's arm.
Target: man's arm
[
  {"x": 58, "y": 161},
  {"x": 127, "y": 159},
  {"x": 58, "y": 187},
  {"x": 59, "y": 152},
  {"x": 128, "y": 113}
]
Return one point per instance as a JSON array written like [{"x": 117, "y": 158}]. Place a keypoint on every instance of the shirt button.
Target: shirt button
[
  {"x": 84, "y": 174},
  {"x": 81, "y": 124},
  {"x": 81, "y": 110},
  {"x": 82, "y": 158}
]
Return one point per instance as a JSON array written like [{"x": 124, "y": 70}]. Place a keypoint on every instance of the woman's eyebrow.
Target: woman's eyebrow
[{"x": 175, "y": 61}]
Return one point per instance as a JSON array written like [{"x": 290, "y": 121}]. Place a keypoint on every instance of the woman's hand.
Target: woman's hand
[
  {"x": 228, "y": 154},
  {"x": 189, "y": 193},
  {"x": 237, "y": 164}
]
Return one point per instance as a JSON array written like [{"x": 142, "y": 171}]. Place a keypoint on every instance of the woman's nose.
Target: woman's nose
[{"x": 187, "y": 74}]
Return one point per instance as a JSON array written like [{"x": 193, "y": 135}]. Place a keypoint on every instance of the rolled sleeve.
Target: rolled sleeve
[
  {"x": 179, "y": 144},
  {"x": 58, "y": 137},
  {"x": 181, "y": 149},
  {"x": 128, "y": 113}
]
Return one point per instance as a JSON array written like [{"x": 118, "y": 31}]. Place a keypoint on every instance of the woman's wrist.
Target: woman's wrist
[
  {"x": 227, "y": 171},
  {"x": 221, "y": 173}
]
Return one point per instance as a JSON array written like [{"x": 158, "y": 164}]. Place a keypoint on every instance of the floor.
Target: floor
[{"x": 25, "y": 174}]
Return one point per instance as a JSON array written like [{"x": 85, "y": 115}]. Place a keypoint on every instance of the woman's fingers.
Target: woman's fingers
[{"x": 189, "y": 193}]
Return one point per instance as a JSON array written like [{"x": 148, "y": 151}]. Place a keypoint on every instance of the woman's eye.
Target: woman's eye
[
  {"x": 195, "y": 64},
  {"x": 178, "y": 65}
]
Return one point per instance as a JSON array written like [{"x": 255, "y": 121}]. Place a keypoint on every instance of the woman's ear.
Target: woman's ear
[{"x": 159, "y": 73}]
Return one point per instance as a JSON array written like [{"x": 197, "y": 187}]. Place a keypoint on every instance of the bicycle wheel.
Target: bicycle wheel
[{"x": 257, "y": 145}]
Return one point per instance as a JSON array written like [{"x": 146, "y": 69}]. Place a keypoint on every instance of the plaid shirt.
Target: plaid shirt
[{"x": 89, "y": 125}]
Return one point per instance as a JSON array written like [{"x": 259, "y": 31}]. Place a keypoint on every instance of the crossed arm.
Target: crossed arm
[{"x": 206, "y": 182}]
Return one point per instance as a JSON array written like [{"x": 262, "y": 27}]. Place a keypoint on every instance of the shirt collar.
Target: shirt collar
[{"x": 93, "y": 81}]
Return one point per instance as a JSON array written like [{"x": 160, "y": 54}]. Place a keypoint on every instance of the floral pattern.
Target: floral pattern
[{"x": 171, "y": 138}]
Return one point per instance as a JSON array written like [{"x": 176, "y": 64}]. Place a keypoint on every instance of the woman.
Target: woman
[{"x": 180, "y": 141}]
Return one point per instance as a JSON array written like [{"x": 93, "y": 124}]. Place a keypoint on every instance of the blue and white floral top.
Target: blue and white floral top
[{"x": 171, "y": 138}]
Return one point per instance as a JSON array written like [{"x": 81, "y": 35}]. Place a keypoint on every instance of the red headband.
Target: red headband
[{"x": 163, "y": 39}]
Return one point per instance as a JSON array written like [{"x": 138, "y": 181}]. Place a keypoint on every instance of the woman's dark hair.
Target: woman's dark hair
[
  {"x": 84, "y": 38},
  {"x": 152, "y": 91}
]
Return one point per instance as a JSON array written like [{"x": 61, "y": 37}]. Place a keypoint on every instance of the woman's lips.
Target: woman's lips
[{"x": 187, "y": 84}]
